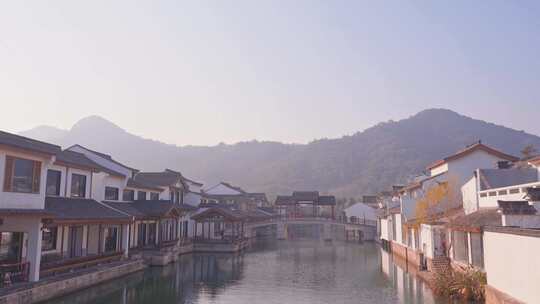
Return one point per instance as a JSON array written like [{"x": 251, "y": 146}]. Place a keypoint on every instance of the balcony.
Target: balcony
[{"x": 490, "y": 197}]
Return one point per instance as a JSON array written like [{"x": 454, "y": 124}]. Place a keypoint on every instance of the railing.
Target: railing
[
  {"x": 225, "y": 240},
  {"x": 13, "y": 273},
  {"x": 77, "y": 263},
  {"x": 489, "y": 197}
]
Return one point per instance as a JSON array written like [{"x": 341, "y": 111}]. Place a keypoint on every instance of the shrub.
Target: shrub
[{"x": 467, "y": 284}]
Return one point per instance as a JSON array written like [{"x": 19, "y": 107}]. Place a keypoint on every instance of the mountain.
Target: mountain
[{"x": 350, "y": 166}]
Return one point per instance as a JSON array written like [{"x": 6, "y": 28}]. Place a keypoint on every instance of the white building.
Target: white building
[{"x": 23, "y": 165}]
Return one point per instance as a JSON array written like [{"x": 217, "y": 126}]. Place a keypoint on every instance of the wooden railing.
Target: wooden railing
[
  {"x": 12, "y": 273},
  {"x": 77, "y": 263}
]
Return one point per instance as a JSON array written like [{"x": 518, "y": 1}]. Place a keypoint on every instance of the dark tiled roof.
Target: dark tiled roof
[
  {"x": 516, "y": 207},
  {"x": 477, "y": 220},
  {"x": 166, "y": 178},
  {"x": 128, "y": 208},
  {"x": 26, "y": 143},
  {"x": 14, "y": 212},
  {"x": 233, "y": 215},
  {"x": 284, "y": 200},
  {"x": 77, "y": 159},
  {"x": 147, "y": 208},
  {"x": 141, "y": 184},
  {"x": 69, "y": 157},
  {"x": 103, "y": 155},
  {"x": 326, "y": 200},
  {"x": 306, "y": 195},
  {"x": 533, "y": 194},
  {"x": 64, "y": 208},
  {"x": 498, "y": 178}
]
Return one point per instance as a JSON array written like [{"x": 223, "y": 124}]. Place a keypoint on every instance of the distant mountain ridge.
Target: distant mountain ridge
[{"x": 350, "y": 166}]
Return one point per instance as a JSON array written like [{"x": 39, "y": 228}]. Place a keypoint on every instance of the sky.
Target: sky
[{"x": 205, "y": 72}]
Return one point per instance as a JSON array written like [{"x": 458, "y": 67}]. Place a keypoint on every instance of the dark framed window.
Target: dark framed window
[
  {"x": 49, "y": 238},
  {"x": 22, "y": 175},
  {"x": 141, "y": 195},
  {"x": 11, "y": 244},
  {"x": 154, "y": 196},
  {"x": 111, "y": 193},
  {"x": 111, "y": 239},
  {"x": 128, "y": 195},
  {"x": 53, "y": 182},
  {"x": 78, "y": 185}
]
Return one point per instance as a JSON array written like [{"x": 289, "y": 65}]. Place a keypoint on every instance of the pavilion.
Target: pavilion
[{"x": 302, "y": 204}]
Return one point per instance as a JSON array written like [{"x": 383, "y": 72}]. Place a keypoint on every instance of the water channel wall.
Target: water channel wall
[{"x": 62, "y": 285}]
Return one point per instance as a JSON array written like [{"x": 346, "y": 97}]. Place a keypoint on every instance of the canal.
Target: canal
[{"x": 270, "y": 272}]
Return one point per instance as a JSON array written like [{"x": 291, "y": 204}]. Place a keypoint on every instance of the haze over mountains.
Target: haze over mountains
[{"x": 350, "y": 166}]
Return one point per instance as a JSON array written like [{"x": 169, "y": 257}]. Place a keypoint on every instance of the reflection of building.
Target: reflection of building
[{"x": 306, "y": 204}]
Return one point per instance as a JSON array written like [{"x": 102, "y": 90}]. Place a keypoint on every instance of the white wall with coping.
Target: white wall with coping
[
  {"x": 511, "y": 263},
  {"x": 489, "y": 198},
  {"x": 17, "y": 200}
]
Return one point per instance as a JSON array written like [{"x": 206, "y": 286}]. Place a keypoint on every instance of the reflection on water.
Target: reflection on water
[{"x": 271, "y": 272}]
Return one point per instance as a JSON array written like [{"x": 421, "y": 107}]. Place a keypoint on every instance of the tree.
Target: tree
[
  {"x": 528, "y": 151},
  {"x": 438, "y": 199}
]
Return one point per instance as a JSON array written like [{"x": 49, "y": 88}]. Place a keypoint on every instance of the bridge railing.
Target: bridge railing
[{"x": 361, "y": 222}]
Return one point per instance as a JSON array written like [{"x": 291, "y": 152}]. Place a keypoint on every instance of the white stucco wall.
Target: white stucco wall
[
  {"x": 221, "y": 189},
  {"x": 23, "y": 200},
  {"x": 102, "y": 180},
  {"x": 399, "y": 228},
  {"x": 470, "y": 195},
  {"x": 512, "y": 264},
  {"x": 426, "y": 240},
  {"x": 66, "y": 191},
  {"x": 361, "y": 211},
  {"x": 439, "y": 169},
  {"x": 192, "y": 199},
  {"x": 384, "y": 230},
  {"x": 463, "y": 168}
]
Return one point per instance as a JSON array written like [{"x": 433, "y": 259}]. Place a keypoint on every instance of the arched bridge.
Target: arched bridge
[{"x": 328, "y": 229}]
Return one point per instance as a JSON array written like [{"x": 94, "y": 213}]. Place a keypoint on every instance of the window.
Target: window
[
  {"x": 111, "y": 193},
  {"x": 141, "y": 195},
  {"x": 53, "y": 182},
  {"x": 154, "y": 196},
  {"x": 514, "y": 191},
  {"x": 128, "y": 195},
  {"x": 111, "y": 237},
  {"x": 503, "y": 192},
  {"x": 11, "y": 244},
  {"x": 22, "y": 175},
  {"x": 49, "y": 239},
  {"x": 78, "y": 185}
]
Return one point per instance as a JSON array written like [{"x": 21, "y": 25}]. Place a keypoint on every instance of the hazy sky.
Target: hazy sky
[{"x": 210, "y": 71}]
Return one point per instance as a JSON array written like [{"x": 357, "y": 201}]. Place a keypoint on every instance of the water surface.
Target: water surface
[{"x": 273, "y": 272}]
